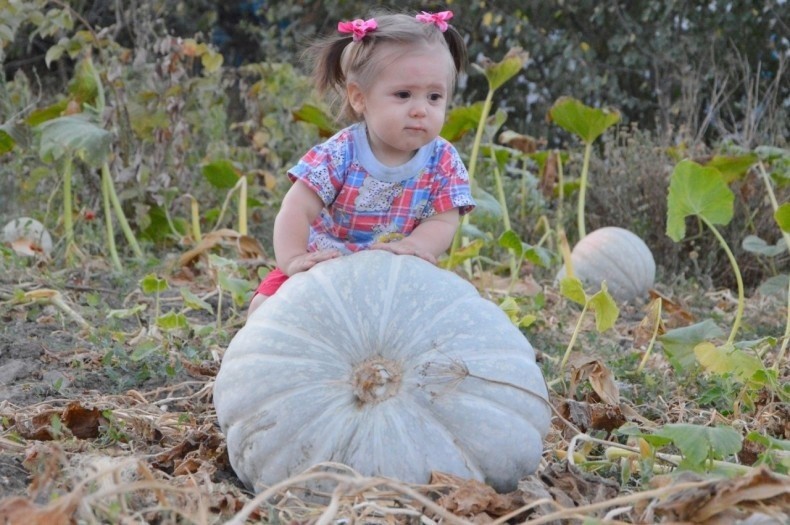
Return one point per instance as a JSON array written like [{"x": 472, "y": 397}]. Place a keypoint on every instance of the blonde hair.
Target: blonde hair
[{"x": 338, "y": 59}]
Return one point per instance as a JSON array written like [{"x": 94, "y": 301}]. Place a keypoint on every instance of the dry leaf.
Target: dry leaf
[
  {"x": 728, "y": 500},
  {"x": 472, "y": 499},
  {"x": 643, "y": 333},
  {"x": 592, "y": 416},
  {"x": 247, "y": 247},
  {"x": 18, "y": 510},
  {"x": 548, "y": 175},
  {"x": 678, "y": 315},
  {"x": 600, "y": 377}
]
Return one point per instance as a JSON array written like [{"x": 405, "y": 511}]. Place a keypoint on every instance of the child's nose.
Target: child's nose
[{"x": 418, "y": 109}]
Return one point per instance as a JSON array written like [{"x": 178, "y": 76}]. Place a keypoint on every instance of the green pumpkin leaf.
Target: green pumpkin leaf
[
  {"x": 470, "y": 251},
  {"x": 679, "y": 343},
  {"x": 768, "y": 441},
  {"x": 727, "y": 359},
  {"x": 318, "y": 117},
  {"x": 511, "y": 241},
  {"x": 7, "y": 142},
  {"x": 700, "y": 191},
  {"x": 462, "y": 120},
  {"x": 605, "y": 308},
  {"x": 573, "y": 289},
  {"x": 776, "y": 285},
  {"x": 754, "y": 244},
  {"x": 38, "y": 116},
  {"x": 221, "y": 174},
  {"x": 151, "y": 284},
  {"x": 732, "y": 167},
  {"x": 193, "y": 301},
  {"x": 585, "y": 122},
  {"x": 172, "y": 321},
  {"x": 538, "y": 256},
  {"x": 698, "y": 444},
  {"x": 629, "y": 429},
  {"x": 143, "y": 351},
  {"x": 74, "y": 135},
  {"x": 782, "y": 217},
  {"x": 497, "y": 73}
]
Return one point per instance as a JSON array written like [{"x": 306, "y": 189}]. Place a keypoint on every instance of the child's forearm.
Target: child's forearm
[
  {"x": 435, "y": 235},
  {"x": 299, "y": 209}
]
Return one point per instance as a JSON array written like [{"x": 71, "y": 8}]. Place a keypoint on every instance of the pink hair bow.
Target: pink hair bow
[
  {"x": 358, "y": 28},
  {"x": 440, "y": 19}
]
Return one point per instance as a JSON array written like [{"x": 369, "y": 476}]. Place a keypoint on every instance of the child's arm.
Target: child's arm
[
  {"x": 428, "y": 240},
  {"x": 300, "y": 207}
]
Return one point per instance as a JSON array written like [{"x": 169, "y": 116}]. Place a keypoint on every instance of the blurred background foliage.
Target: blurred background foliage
[{"x": 694, "y": 77}]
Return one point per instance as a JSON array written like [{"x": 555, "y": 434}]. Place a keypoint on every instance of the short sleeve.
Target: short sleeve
[
  {"x": 455, "y": 190},
  {"x": 324, "y": 167}
]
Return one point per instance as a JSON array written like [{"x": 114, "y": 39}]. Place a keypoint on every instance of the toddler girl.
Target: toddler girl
[{"x": 388, "y": 181}]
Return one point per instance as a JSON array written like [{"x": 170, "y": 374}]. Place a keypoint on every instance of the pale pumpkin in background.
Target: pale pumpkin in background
[
  {"x": 389, "y": 365},
  {"x": 617, "y": 256}
]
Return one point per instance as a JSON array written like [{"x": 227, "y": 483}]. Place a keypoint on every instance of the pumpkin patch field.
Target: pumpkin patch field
[{"x": 607, "y": 340}]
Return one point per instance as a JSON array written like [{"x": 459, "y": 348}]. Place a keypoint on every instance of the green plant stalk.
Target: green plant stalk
[
  {"x": 68, "y": 223},
  {"x": 575, "y": 334},
  {"x": 105, "y": 190},
  {"x": 786, "y": 237},
  {"x": 741, "y": 298},
  {"x": 652, "y": 338},
  {"x": 116, "y": 204},
  {"x": 195, "y": 219},
  {"x": 242, "y": 205},
  {"x": 219, "y": 307},
  {"x": 583, "y": 189},
  {"x": 613, "y": 453},
  {"x": 500, "y": 190},
  {"x": 471, "y": 172}
]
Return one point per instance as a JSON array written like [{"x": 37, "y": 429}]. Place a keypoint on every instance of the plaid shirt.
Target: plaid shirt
[{"x": 366, "y": 201}]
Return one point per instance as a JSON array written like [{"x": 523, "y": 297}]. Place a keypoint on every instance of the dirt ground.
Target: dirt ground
[{"x": 78, "y": 401}]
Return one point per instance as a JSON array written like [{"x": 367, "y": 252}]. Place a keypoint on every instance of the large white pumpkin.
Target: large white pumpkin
[
  {"x": 389, "y": 365},
  {"x": 617, "y": 256}
]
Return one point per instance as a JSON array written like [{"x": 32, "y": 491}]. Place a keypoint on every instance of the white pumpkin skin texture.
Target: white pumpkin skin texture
[
  {"x": 362, "y": 360},
  {"x": 617, "y": 256}
]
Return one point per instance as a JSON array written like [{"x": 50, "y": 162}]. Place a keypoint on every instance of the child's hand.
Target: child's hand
[
  {"x": 302, "y": 263},
  {"x": 405, "y": 247}
]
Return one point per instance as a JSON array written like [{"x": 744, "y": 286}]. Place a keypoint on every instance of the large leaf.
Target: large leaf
[
  {"x": 727, "y": 360},
  {"x": 497, "y": 73},
  {"x": 732, "y": 167},
  {"x": 782, "y": 217},
  {"x": 573, "y": 289},
  {"x": 700, "y": 191},
  {"x": 679, "y": 343},
  {"x": 462, "y": 120},
  {"x": 327, "y": 126},
  {"x": 221, "y": 174},
  {"x": 585, "y": 122},
  {"x": 697, "y": 444},
  {"x": 605, "y": 308},
  {"x": 754, "y": 244},
  {"x": 74, "y": 135},
  {"x": 7, "y": 142}
]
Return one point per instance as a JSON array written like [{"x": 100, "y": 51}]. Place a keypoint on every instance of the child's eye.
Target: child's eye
[
  {"x": 435, "y": 97},
  {"x": 402, "y": 94}
]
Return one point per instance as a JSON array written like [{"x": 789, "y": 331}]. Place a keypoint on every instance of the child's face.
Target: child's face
[{"x": 405, "y": 106}]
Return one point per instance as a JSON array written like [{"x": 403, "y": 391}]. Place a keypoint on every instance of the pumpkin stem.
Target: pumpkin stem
[{"x": 375, "y": 380}]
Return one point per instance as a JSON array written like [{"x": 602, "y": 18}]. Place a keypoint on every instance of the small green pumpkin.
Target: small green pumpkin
[{"x": 389, "y": 365}]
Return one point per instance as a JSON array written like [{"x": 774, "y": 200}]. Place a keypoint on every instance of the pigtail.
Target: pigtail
[
  {"x": 327, "y": 57},
  {"x": 457, "y": 47}
]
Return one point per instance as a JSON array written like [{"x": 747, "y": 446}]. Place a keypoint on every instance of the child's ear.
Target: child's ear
[{"x": 356, "y": 97}]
